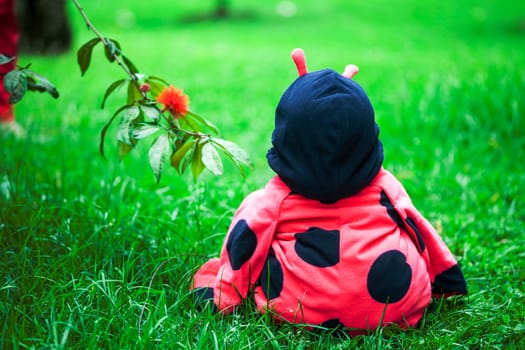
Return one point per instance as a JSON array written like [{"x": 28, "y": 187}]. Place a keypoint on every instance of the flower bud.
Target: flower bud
[{"x": 145, "y": 87}]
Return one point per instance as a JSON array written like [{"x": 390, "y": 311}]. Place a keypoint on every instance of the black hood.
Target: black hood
[{"x": 325, "y": 142}]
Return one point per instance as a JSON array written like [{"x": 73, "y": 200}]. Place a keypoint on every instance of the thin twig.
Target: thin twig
[{"x": 106, "y": 44}]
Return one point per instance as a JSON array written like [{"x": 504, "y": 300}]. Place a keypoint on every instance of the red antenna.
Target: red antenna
[{"x": 300, "y": 61}]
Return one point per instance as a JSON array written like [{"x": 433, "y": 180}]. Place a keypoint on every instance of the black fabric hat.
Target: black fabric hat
[{"x": 325, "y": 141}]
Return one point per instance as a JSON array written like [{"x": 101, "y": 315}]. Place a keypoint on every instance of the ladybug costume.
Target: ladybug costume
[{"x": 333, "y": 239}]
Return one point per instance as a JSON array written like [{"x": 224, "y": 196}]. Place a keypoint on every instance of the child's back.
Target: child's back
[{"x": 333, "y": 239}]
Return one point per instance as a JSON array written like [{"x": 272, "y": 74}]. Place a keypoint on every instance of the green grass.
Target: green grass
[{"x": 94, "y": 254}]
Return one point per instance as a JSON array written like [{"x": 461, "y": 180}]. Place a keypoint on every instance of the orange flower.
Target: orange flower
[{"x": 174, "y": 101}]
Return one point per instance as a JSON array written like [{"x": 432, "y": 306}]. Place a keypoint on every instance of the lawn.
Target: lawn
[{"x": 95, "y": 254}]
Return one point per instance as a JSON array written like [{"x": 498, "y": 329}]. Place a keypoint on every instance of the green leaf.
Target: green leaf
[
  {"x": 6, "y": 59},
  {"x": 151, "y": 112},
  {"x": 190, "y": 124},
  {"x": 112, "y": 49},
  {"x": 196, "y": 162},
  {"x": 132, "y": 68},
  {"x": 125, "y": 130},
  {"x": 157, "y": 154},
  {"x": 124, "y": 149},
  {"x": 232, "y": 149},
  {"x": 124, "y": 133},
  {"x": 131, "y": 114},
  {"x": 134, "y": 94},
  {"x": 211, "y": 159},
  {"x": 36, "y": 82},
  {"x": 15, "y": 83},
  {"x": 106, "y": 127},
  {"x": 152, "y": 77},
  {"x": 84, "y": 55},
  {"x": 197, "y": 118},
  {"x": 111, "y": 89},
  {"x": 179, "y": 154},
  {"x": 237, "y": 155},
  {"x": 144, "y": 131}
]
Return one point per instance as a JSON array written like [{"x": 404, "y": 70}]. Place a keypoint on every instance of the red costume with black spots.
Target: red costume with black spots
[{"x": 333, "y": 239}]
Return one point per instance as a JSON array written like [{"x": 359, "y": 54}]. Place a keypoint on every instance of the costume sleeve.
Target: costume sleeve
[
  {"x": 243, "y": 254},
  {"x": 445, "y": 274}
]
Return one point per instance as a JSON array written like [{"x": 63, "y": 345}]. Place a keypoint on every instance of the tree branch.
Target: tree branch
[{"x": 105, "y": 42}]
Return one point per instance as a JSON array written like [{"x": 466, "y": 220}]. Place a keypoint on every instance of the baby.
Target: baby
[{"x": 333, "y": 239}]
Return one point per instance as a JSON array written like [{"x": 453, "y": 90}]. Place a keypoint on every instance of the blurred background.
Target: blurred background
[{"x": 232, "y": 57}]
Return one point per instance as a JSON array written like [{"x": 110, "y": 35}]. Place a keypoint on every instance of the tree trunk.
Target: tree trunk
[
  {"x": 222, "y": 9},
  {"x": 44, "y": 26}
]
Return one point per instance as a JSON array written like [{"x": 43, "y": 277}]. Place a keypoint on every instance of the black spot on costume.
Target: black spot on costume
[
  {"x": 272, "y": 277},
  {"x": 241, "y": 244},
  {"x": 389, "y": 277},
  {"x": 318, "y": 247}
]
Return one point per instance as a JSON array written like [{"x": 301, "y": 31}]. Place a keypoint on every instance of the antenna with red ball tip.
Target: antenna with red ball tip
[{"x": 300, "y": 61}]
